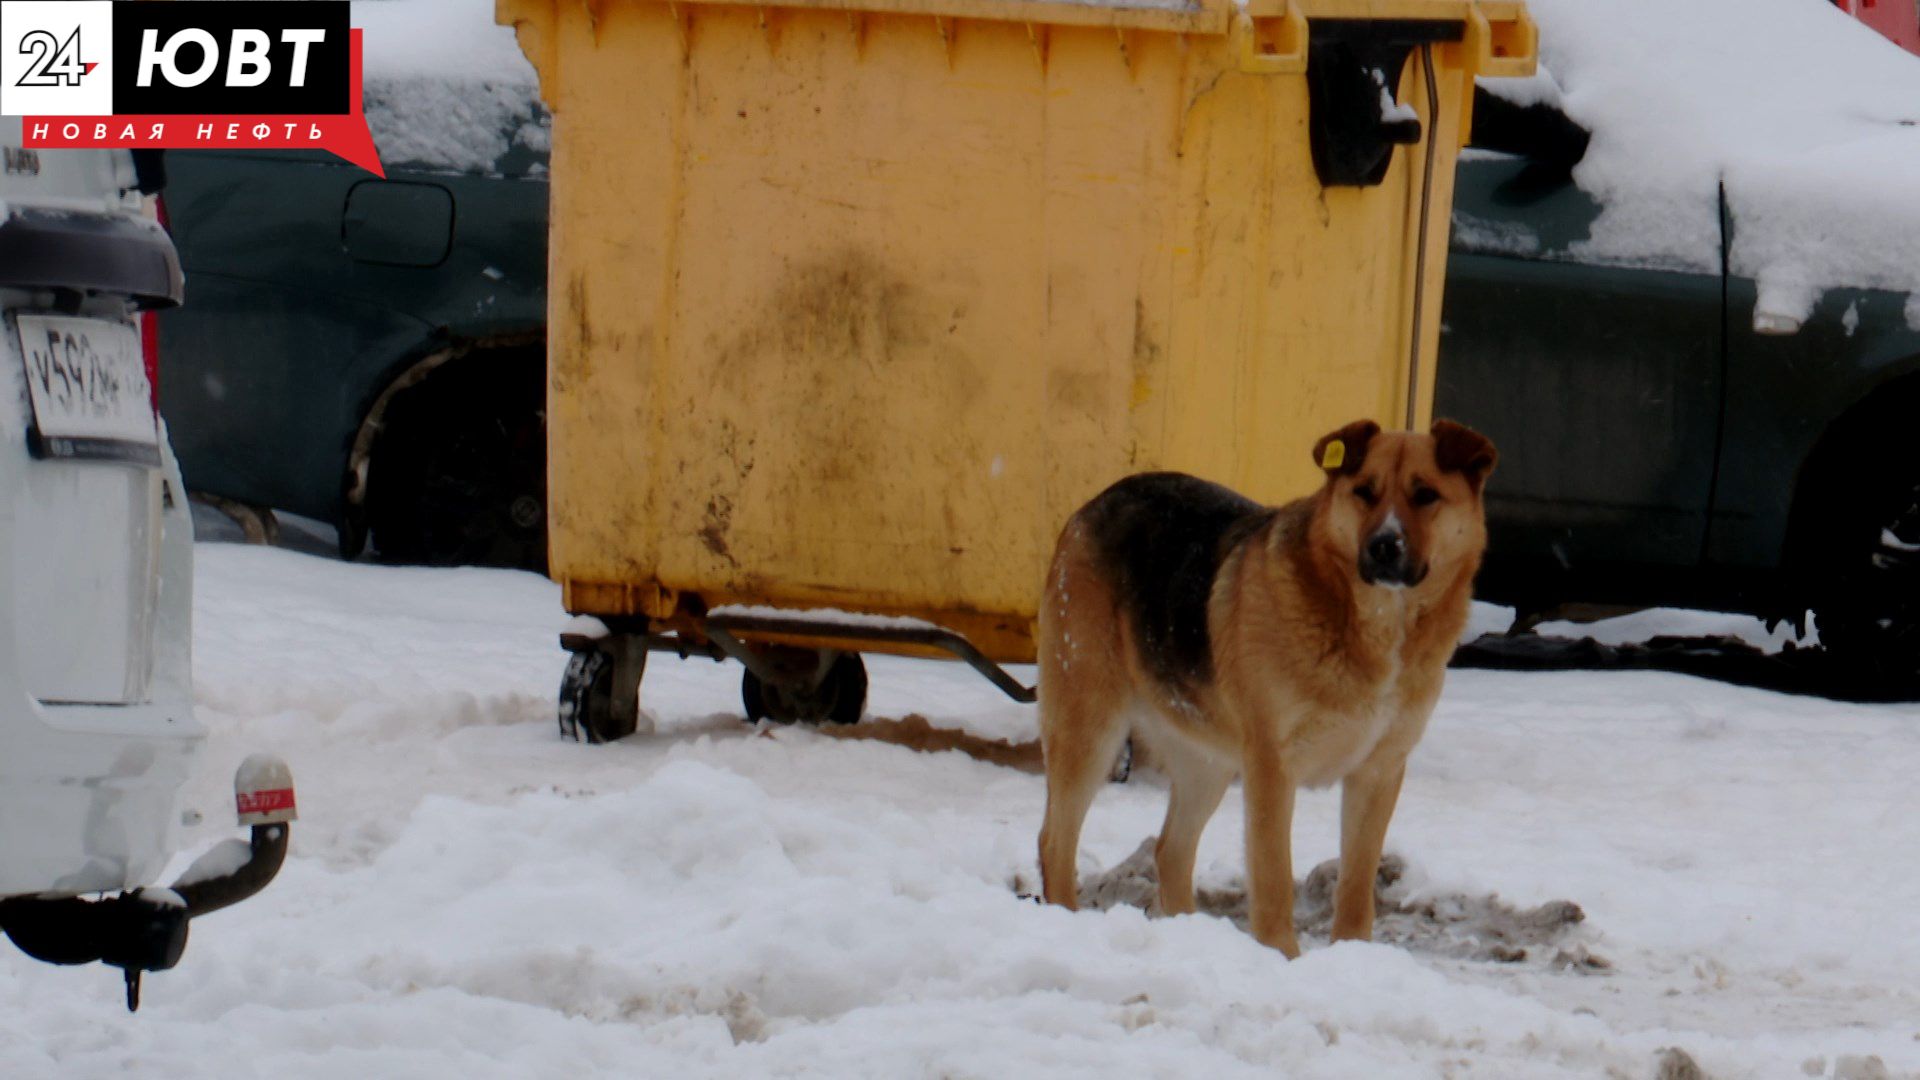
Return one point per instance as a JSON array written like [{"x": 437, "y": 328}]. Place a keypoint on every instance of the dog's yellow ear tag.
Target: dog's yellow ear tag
[{"x": 1334, "y": 456}]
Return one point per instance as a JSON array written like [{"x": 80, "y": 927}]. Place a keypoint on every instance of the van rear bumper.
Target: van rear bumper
[
  {"x": 146, "y": 930},
  {"x": 90, "y": 253},
  {"x": 89, "y": 794}
]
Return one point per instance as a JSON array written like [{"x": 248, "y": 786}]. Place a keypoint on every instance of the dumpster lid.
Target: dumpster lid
[
  {"x": 1184, "y": 16},
  {"x": 1180, "y": 16}
]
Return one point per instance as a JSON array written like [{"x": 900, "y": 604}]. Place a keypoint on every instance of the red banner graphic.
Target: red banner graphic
[{"x": 343, "y": 135}]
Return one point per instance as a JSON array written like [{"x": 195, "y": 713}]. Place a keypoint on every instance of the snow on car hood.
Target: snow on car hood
[
  {"x": 445, "y": 87},
  {"x": 1806, "y": 115}
]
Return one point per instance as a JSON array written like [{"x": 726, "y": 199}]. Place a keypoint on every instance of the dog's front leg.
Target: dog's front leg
[
  {"x": 1366, "y": 805},
  {"x": 1269, "y": 793}
]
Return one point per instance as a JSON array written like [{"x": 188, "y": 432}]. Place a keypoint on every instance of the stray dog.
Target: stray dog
[{"x": 1296, "y": 645}]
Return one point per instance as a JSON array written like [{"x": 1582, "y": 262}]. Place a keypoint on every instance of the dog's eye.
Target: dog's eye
[
  {"x": 1425, "y": 496},
  {"x": 1366, "y": 494}
]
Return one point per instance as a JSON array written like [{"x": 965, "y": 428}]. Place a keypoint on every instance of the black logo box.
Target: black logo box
[{"x": 327, "y": 89}]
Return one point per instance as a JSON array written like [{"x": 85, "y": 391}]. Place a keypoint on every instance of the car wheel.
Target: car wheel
[
  {"x": 459, "y": 475},
  {"x": 837, "y": 693},
  {"x": 1868, "y": 613}
]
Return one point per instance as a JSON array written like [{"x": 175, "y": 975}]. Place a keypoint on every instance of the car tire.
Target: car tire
[
  {"x": 458, "y": 476},
  {"x": 1867, "y": 606}
]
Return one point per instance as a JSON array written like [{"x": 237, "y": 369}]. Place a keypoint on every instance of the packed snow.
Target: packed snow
[
  {"x": 1672, "y": 622},
  {"x": 218, "y": 861},
  {"x": 468, "y": 895},
  {"x": 860, "y": 620},
  {"x": 1805, "y": 114},
  {"x": 446, "y": 88}
]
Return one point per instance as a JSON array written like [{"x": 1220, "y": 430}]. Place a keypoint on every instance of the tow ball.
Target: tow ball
[{"x": 146, "y": 929}]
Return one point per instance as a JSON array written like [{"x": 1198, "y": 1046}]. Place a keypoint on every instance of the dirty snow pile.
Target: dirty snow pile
[
  {"x": 446, "y": 88},
  {"x": 468, "y": 896},
  {"x": 1807, "y": 115}
]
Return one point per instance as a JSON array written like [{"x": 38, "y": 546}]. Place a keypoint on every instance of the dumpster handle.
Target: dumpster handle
[
  {"x": 1420, "y": 256},
  {"x": 1513, "y": 50},
  {"x": 713, "y": 638},
  {"x": 1293, "y": 37},
  {"x": 718, "y": 626}
]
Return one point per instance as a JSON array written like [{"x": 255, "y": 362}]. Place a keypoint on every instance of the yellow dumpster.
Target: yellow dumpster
[{"x": 854, "y": 301}]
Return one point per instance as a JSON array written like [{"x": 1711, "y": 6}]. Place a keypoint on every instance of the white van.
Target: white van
[{"x": 97, "y": 732}]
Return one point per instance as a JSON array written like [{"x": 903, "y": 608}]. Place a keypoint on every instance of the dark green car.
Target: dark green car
[
  {"x": 369, "y": 353},
  {"x": 1655, "y": 447},
  {"x": 366, "y": 352}
]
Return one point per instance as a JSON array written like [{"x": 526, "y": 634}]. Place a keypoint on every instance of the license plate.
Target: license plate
[{"x": 89, "y": 390}]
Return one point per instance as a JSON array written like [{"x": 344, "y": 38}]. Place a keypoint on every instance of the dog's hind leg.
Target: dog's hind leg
[
  {"x": 1198, "y": 783},
  {"x": 1083, "y": 714},
  {"x": 1079, "y": 758}
]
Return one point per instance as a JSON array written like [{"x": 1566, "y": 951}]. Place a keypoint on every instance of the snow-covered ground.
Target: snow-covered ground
[{"x": 469, "y": 896}]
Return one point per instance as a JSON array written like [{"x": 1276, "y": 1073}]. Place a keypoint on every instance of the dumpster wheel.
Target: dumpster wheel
[
  {"x": 599, "y": 694},
  {"x": 834, "y": 689}
]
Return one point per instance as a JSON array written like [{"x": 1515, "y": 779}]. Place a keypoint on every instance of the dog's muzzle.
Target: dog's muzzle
[{"x": 1384, "y": 560}]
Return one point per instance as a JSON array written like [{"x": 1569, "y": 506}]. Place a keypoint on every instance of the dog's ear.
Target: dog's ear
[
  {"x": 1459, "y": 448},
  {"x": 1341, "y": 452}
]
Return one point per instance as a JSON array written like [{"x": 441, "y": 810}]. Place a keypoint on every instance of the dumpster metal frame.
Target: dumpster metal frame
[{"x": 663, "y": 612}]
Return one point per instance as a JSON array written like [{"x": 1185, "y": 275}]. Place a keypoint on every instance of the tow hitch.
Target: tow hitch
[{"x": 146, "y": 929}]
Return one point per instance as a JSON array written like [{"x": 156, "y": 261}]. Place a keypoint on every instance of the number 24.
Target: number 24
[{"x": 55, "y": 63}]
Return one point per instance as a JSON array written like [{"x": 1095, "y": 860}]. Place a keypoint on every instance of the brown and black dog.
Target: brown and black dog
[{"x": 1295, "y": 645}]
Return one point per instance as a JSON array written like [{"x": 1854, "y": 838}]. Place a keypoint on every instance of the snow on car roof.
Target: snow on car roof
[
  {"x": 1806, "y": 115},
  {"x": 445, "y": 86},
  {"x": 448, "y": 38}
]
